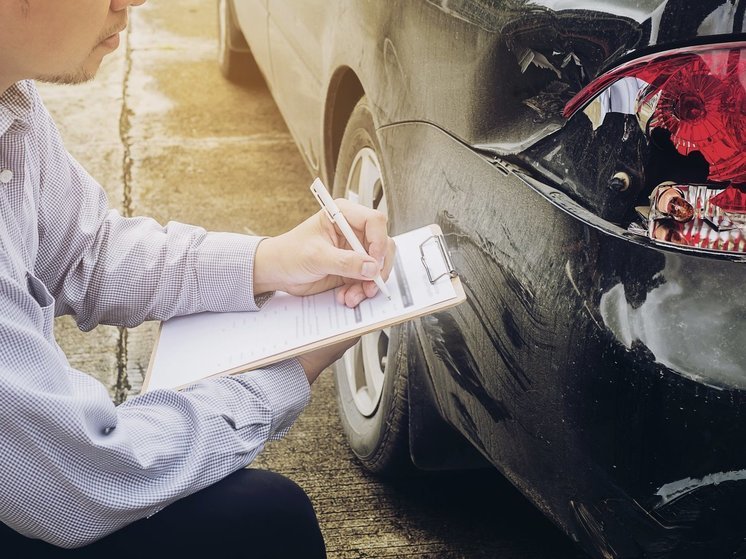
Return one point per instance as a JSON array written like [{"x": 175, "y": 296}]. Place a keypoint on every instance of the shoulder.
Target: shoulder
[
  {"x": 21, "y": 100},
  {"x": 22, "y": 110}
]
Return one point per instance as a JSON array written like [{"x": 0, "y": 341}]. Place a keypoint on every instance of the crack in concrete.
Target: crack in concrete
[
  {"x": 125, "y": 126},
  {"x": 123, "y": 386}
]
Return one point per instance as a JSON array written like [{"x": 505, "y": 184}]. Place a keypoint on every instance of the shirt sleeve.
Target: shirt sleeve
[
  {"x": 75, "y": 467},
  {"x": 102, "y": 267}
]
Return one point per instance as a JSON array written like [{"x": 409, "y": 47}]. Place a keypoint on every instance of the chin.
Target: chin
[
  {"x": 83, "y": 72},
  {"x": 81, "y": 75}
]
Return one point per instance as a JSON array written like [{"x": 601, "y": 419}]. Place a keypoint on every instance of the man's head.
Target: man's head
[{"x": 58, "y": 40}]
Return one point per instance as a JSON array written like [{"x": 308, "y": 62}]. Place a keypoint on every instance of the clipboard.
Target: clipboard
[{"x": 205, "y": 345}]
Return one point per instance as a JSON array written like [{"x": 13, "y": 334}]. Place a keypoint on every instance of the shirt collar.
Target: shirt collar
[{"x": 16, "y": 104}]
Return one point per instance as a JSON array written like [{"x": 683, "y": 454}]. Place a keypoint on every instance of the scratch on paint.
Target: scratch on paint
[
  {"x": 568, "y": 272},
  {"x": 677, "y": 489}
]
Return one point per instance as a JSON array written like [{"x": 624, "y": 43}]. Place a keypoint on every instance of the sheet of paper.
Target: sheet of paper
[{"x": 206, "y": 344}]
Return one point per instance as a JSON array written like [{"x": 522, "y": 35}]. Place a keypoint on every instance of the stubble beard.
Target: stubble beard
[{"x": 83, "y": 73}]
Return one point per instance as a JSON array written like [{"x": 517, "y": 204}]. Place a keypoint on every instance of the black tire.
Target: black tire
[
  {"x": 234, "y": 57},
  {"x": 380, "y": 439}
]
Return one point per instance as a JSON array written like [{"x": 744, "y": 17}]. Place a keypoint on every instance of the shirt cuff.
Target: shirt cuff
[
  {"x": 285, "y": 387},
  {"x": 225, "y": 272}
]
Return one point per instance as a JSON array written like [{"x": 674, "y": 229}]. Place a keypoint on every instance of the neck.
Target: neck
[{"x": 6, "y": 81}]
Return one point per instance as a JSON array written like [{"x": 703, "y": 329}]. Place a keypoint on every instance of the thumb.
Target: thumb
[{"x": 350, "y": 264}]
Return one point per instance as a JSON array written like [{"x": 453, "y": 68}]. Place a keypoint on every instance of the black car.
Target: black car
[{"x": 586, "y": 163}]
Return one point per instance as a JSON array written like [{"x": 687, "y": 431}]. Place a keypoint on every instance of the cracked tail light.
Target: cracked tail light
[{"x": 696, "y": 94}]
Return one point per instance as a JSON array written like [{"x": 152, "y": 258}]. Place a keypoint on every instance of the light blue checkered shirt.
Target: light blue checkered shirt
[{"x": 73, "y": 467}]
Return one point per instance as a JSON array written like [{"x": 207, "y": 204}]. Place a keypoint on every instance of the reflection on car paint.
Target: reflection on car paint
[
  {"x": 680, "y": 321},
  {"x": 676, "y": 489}
]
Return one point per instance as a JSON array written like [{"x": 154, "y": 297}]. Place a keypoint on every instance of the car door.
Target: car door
[{"x": 296, "y": 31}]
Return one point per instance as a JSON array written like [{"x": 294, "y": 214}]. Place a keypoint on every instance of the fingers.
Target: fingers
[
  {"x": 352, "y": 294},
  {"x": 371, "y": 227},
  {"x": 315, "y": 255},
  {"x": 389, "y": 257},
  {"x": 345, "y": 263}
]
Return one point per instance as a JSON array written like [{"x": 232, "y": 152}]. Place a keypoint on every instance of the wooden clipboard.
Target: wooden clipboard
[{"x": 163, "y": 370}]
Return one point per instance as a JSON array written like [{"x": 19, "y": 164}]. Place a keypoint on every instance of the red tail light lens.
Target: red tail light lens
[
  {"x": 730, "y": 200},
  {"x": 696, "y": 94}
]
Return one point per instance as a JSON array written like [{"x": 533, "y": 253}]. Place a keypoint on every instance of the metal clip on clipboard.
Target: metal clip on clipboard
[{"x": 449, "y": 269}]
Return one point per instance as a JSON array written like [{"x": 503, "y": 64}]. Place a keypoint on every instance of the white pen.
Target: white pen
[{"x": 336, "y": 216}]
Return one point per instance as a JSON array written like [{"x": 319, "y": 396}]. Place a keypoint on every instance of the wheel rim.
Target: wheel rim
[{"x": 365, "y": 363}]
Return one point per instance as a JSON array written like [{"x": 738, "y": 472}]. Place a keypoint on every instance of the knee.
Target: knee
[
  {"x": 281, "y": 495},
  {"x": 284, "y": 511}
]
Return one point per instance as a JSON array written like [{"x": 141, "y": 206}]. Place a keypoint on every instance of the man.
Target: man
[{"x": 164, "y": 472}]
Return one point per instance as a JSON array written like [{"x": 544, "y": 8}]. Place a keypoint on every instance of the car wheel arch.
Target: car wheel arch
[{"x": 344, "y": 91}]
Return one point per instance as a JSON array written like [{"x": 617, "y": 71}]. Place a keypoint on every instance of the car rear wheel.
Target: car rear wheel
[
  {"x": 371, "y": 378},
  {"x": 234, "y": 57}
]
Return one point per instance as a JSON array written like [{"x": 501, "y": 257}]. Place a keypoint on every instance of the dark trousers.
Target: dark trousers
[{"x": 249, "y": 514}]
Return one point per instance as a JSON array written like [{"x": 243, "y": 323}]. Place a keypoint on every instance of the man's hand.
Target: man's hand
[{"x": 314, "y": 256}]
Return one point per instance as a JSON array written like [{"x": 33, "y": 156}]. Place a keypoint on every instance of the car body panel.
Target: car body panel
[
  {"x": 295, "y": 33},
  {"x": 469, "y": 81},
  {"x": 576, "y": 363},
  {"x": 252, "y": 16}
]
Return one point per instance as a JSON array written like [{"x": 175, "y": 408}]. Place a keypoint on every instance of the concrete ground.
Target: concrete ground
[{"x": 167, "y": 137}]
